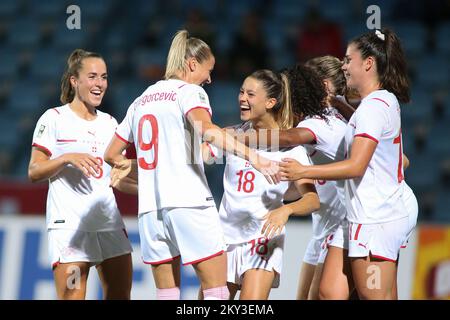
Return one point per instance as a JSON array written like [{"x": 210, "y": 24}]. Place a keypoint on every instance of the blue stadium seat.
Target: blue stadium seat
[
  {"x": 420, "y": 106},
  {"x": 49, "y": 9},
  {"x": 443, "y": 38},
  {"x": 423, "y": 172},
  {"x": 25, "y": 97},
  {"x": 69, "y": 40},
  {"x": 223, "y": 97},
  {"x": 48, "y": 64},
  {"x": 121, "y": 95},
  {"x": 433, "y": 72},
  {"x": 442, "y": 209},
  {"x": 412, "y": 36},
  {"x": 24, "y": 33},
  {"x": 8, "y": 65},
  {"x": 354, "y": 29},
  {"x": 94, "y": 9},
  {"x": 438, "y": 141},
  {"x": 293, "y": 11},
  {"x": 8, "y": 7},
  {"x": 143, "y": 57},
  {"x": 9, "y": 137},
  {"x": 336, "y": 11}
]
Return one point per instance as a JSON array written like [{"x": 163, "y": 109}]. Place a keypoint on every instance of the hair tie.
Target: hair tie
[{"x": 380, "y": 34}]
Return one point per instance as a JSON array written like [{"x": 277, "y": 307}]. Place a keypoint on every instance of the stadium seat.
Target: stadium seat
[
  {"x": 413, "y": 37},
  {"x": 442, "y": 209},
  {"x": 8, "y": 8},
  {"x": 433, "y": 72},
  {"x": 25, "y": 97},
  {"x": 8, "y": 65},
  {"x": 443, "y": 38},
  {"x": 423, "y": 172},
  {"x": 24, "y": 33},
  {"x": 48, "y": 64}
]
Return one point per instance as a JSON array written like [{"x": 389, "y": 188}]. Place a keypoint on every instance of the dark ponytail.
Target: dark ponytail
[{"x": 390, "y": 59}]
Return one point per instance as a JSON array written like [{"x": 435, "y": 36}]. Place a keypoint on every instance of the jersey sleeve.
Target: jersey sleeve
[
  {"x": 193, "y": 97},
  {"x": 299, "y": 153},
  {"x": 124, "y": 129},
  {"x": 321, "y": 131},
  {"x": 44, "y": 136},
  {"x": 371, "y": 119},
  {"x": 314, "y": 126}
]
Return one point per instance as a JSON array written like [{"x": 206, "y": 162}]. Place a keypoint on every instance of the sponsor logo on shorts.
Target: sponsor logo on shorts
[{"x": 59, "y": 221}]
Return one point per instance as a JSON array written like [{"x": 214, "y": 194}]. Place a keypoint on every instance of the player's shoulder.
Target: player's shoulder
[
  {"x": 55, "y": 113},
  {"x": 381, "y": 98},
  {"x": 106, "y": 119}
]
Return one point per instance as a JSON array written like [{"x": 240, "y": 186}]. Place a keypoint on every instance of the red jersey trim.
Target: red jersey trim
[
  {"x": 124, "y": 140},
  {"x": 161, "y": 261},
  {"x": 186, "y": 114},
  {"x": 211, "y": 151},
  {"x": 312, "y": 132},
  {"x": 357, "y": 231},
  {"x": 203, "y": 259},
  {"x": 381, "y": 101},
  {"x": 48, "y": 152},
  {"x": 382, "y": 258},
  {"x": 365, "y": 135}
]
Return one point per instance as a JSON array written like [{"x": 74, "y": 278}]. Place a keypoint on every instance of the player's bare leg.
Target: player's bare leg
[
  {"x": 212, "y": 274},
  {"x": 256, "y": 284},
  {"x": 305, "y": 279},
  {"x": 315, "y": 283},
  {"x": 71, "y": 279},
  {"x": 336, "y": 281},
  {"x": 374, "y": 278},
  {"x": 116, "y": 277},
  {"x": 167, "y": 275}
]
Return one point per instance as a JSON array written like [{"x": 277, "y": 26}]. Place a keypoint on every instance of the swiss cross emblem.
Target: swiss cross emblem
[
  {"x": 247, "y": 164},
  {"x": 94, "y": 149}
]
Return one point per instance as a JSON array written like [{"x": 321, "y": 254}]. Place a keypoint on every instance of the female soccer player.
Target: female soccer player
[
  {"x": 374, "y": 187},
  {"x": 252, "y": 213},
  {"x": 84, "y": 224},
  {"x": 177, "y": 214}
]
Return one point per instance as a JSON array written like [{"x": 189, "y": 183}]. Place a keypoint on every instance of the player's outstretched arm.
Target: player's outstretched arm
[
  {"x": 41, "y": 167},
  {"x": 211, "y": 133}
]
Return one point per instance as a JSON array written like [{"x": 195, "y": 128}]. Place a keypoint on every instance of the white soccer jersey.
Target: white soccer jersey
[
  {"x": 329, "y": 147},
  {"x": 170, "y": 164},
  {"x": 374, "y": 198},
  {"x": 248, "y": 196},
  {"x": 75, "y": 201}
]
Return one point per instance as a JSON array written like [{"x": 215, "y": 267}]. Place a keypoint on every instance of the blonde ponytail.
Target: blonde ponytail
[{"x": 182, "y": 48}]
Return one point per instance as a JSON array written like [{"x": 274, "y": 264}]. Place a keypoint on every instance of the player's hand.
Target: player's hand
[
  {"x": 268, "y": 168},
  {"x": 276, "y": 220},
  {"x": 85, "y": 162},
  {"x": 291, "y": 170},
  {"x": 120, "y": 170}
]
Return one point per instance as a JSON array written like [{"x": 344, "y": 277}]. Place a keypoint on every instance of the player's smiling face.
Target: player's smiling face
[
  {"x": 201, "y": 73},
  {"x": 92, "y": 82},
  {"x": 353, "y": 66},
  {"x": 253, "y": 100}
]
